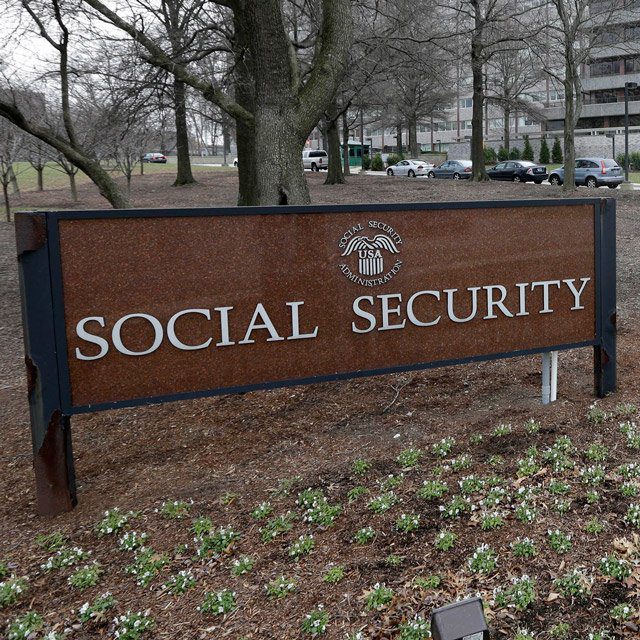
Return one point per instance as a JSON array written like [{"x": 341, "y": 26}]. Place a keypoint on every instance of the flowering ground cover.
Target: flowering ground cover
[
  {"x": 345, "y": 510},
  {"x": 549, "y": 537}
]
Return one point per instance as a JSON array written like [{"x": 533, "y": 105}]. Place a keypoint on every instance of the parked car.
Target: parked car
[
  {"x": 154, "y": 157},
  {"x": 592, "y": 172},
  {"x": 411, "y": 168},
  {"x": 455, "y": 169},
  {"x": 315, "y": 159},
  {"x": 518, "y": 171}
]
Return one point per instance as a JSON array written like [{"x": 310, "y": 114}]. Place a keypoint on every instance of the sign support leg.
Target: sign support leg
[
  {"x": 554, "y": 377},
  {"x": 546, "y": 377},
  {"x": 50, "y": 429},
  {"x": 604, "y": 354}
]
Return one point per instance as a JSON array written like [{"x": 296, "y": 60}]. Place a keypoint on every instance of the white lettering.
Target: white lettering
[
  {"x": 387, "y": 311},
  {"x": 171, "y": 332},
  {"x": 522, "y": 287},
  {"x": 224, "y": 327},
  {"x": 545, "y": 284},
  {"x": 261, "y": 313},
  {"x": 474, "y": 304},
  {"x": 117, "y": 340},
  {"x": 491, "y": 302},
  {"x": 411, "y": 315},
  {"x": 295, "y": 323},
  {"x": 363, "y": 314},
  {"x": 83, "y": 334},
  {"x": 576, "y": 293}
]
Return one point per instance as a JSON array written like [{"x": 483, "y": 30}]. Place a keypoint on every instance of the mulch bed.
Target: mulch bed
[{"x": 228, "y": 454}]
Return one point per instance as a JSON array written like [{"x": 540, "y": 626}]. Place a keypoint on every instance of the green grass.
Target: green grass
[{"x": 55, "y": 178}]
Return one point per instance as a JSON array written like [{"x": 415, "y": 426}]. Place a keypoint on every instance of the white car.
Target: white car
[
  {"x": 315, "y": 159},
  {"x": 411, "y": 168}
]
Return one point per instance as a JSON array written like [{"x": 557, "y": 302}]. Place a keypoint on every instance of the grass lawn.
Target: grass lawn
[{"x": 55, "y": 178}]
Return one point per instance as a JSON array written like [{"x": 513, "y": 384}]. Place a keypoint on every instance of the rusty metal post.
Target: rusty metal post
[{"x": 50, "y": 429}]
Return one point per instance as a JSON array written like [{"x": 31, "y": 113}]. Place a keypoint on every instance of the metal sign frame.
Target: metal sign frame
[{"x": 49, "y": 388}]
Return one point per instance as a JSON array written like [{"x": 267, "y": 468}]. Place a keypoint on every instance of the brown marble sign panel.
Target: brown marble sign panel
[{"x": 227, "y": 301}]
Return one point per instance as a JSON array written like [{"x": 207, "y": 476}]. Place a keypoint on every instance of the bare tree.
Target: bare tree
[
  {"x": 70, "y": 170},
  {"x": 511, "y": 75},
  {"x": 38, "y": 155},
  {"x": 575, "y": 28},
  {"x": 11, "y": 141},
  {"x": 51, "y": 22},
  {"x": 274, "y": 108}
]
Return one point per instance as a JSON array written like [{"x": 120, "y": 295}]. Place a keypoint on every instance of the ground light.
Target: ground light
[{"x": 462, "y": 620}]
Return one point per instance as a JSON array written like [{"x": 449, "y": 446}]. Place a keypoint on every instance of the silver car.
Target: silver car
[
  {"x": 411, "y": 168},
  {"x": 454, "y": 169},
  {"x": 592, "y": 172}
]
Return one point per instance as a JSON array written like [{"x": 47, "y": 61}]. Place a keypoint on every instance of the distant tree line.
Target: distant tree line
[{"x": 120, "y": 78}]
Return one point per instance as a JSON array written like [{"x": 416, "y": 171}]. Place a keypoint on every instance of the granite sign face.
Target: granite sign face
[{"x": 157, "y": 305}]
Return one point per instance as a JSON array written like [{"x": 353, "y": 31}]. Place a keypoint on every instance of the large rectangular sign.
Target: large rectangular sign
[{"x": 158, "y": 305}]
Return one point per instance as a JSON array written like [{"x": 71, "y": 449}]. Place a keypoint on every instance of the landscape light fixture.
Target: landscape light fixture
[{"x": 462, "y": 620}]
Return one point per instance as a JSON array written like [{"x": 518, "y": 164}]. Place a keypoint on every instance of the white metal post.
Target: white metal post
[
  {"x": 546, "y": 377},
  {"x": 554, "y": 377}
]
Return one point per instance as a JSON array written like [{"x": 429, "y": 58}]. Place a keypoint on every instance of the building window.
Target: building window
[
  {"x": 555, "y": 95},
  {"x": 606, "y": 96},
  {"x": 632, "y": 65},
  {"x": 606, "y": 68},
  {"x": 632, "y": 32},
  {"x": 465, "y": 103},
  {"x": 607, "y": 37}
]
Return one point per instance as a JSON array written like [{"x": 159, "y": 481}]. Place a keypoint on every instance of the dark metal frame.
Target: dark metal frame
[{"x": 45, "y": 335}]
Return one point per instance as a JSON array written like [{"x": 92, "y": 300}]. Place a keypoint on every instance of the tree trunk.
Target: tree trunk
[
  {"x": 226, "y": 143},
  {"x": 128, "y": 176},
  {"x": 184, "y": 175},
  {"x": 7, "y": 205},
  {"x": 477, "y": 135},
  {"x": 141, "y": 166},
  {"x": 507, "y": 129},
  {"x": 572, "y": 93},
  {"x": 334, "y": 174},
  {"x": 345, "y": 145},
  {"x": 399, "y": 138},
  {"x": 279, "y": 176},
  {"x": 279, "y": 138},
  {"x": 325, "y": 138},
  {"x": 14, "y": 181},
  {"x": 72, "y": 186},
  {"x": 245, "y": 97},
  {"x": 40, "y": 174},
  {"x": 284, "y": 112},
  {"x": 569, "y": 144},
  {"x": 413, "y": 138}
]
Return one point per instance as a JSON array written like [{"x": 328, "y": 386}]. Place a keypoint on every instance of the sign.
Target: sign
[{"x": 145, "y": 306}]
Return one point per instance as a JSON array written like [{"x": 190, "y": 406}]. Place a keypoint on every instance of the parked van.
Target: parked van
[{"x": 315, "y": 159}]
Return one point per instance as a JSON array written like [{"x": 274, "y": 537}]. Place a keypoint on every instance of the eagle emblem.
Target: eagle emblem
[{"x": 370, "y": 257}]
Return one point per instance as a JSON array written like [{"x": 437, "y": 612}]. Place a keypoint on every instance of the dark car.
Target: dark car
[
  {"x": 154, "y": 157},
  {"x": 518, "y": 171},
  {"x": 455, "y": 169},
  {"x": 592, "y": 172}
]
